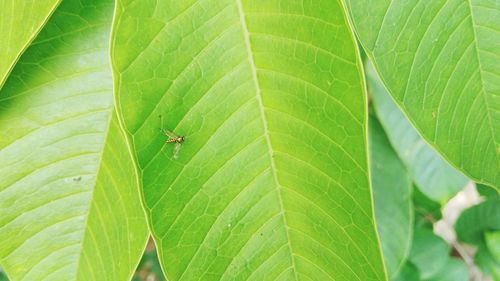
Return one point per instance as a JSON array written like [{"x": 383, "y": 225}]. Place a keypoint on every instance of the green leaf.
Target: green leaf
[
  {"x": 407, "y": 273},
  {"x": 392, "y": 196},
  {"x": 3, "y": 276},
  {"x": 426, "y": 211},
  {"x": 440, "y": 60},
  {"x": 487, "y": 263},
  {"x": 149, "y": 267},
  {"x": 20, "y": 22},
  {"x": 453, "y": 270},
  {"x": 69, "y": 200},
  {"x": 478, "y": 219},
  {"x": 271, "y": 182},
  {"x": 493, "y": 243},
  {"x": 487, "y": 191},
  {"x": 429, "y": 253},
  {"x": 431, "y": 173}
]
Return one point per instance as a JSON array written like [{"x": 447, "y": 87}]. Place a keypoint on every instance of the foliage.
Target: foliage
[
  {"x": 476, "y": 221},
  {"x": 282, "y": 172},
  {"x": 392, "y": 194},
  {"x": 433, "y": 176},
  {"x": 480, "y": 226},
  {"x": 439, "y": 60},
  {"x": 263, "y": 187},
  {"x": 68, "y": 195}
]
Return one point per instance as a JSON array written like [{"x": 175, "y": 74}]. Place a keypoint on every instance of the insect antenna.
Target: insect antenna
[
  {"x": 162, "y": 150},
  {"x": 161, "y": 122}
]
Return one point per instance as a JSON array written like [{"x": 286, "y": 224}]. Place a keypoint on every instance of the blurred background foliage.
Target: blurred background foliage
[
  {"x": 434, "y": 224},
  {"x": 149, "y": 268}
]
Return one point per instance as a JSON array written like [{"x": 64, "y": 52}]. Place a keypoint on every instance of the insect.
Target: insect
[{"x": 173, "y": 138}]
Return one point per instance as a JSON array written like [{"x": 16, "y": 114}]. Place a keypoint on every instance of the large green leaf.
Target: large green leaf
[
  {"x": 69, "y": 200},
  {"x": 392, "y": 195},
  {"x": 20, "y": 22},
  {"x": 440, "y": 60},
  {"x": 271, "y": 182},
  {"x": 431, "y": 173}
]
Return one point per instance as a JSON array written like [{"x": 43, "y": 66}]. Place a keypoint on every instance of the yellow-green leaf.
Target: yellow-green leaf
[
  {"x": 69, "y": 202},
  {"x": 271, "y": 182},
  {"x": 20, "y": 22}
]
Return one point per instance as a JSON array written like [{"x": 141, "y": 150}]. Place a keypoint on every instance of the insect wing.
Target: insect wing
[
  {"x": 177, "y": 148},
  {"x": 170, "y": 134}
]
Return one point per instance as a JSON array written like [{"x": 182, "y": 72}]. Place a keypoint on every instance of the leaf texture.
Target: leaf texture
[
  {"x": 271, "y": 182},
  {"x": 20, "y": 22},
  {"x": 69, "y": 200},
  {"x": 440, "y": 60}
]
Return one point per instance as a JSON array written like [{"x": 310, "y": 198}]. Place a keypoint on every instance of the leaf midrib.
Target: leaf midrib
[{"x": 258, "y": 93}]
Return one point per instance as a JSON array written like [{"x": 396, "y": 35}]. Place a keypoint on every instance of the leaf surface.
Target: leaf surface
[
  {"x": 493, "y": 243},
  {"x": 454, "y": 270},
  {"x": 271, "y": 182},
  {"x": 487, "y": 263},
  {"x": 430, "y": 172},
  {"x": 487, "y": 191},
  {"x": 69, "y": 200},
  {"x": 407, "y": 273},
  {"x": 440, "y": 60},
  {"x": 392, "y": 196},
  {"x": 475, "y": 221},
  {"x": 429, "y": 253},
  {"x": 20, "y": 22}
]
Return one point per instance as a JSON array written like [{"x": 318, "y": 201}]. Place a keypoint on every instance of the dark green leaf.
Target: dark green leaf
[
  {"x": 20, "y": 22},
  {"x": 487, "y": 191},
  {"x": 427, "y": 211},
  {"x": 478, "y": 219},
  {"x": 407, "y": 273}
]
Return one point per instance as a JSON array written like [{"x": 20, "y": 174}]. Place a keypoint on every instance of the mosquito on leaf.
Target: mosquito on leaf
[{"x": 173, "y": 138}]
